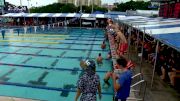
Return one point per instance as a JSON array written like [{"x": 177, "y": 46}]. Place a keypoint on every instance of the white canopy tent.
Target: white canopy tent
[
  {"x": 42, "y": 15},
  {"x": 55, "y": 15}
]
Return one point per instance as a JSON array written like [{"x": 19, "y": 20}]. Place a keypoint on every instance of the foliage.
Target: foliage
[
  {"x": 52, "y": 8},
  {"x": 68, "y": 8},
  {"x": 65, "y": 8},
  {"x": 102, "y": 9},
  {"x": 133, "y": 5}
]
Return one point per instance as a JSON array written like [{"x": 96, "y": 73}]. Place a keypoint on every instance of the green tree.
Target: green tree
[
  {"x": 65, "y": 8},
  {"x": 133, "y": 5},
  {"x": 102, "y": 9},
  {"x": 69, "y": 8}
]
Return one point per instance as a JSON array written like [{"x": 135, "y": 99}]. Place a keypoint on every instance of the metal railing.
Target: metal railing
[{"x": 139, "y": 87}]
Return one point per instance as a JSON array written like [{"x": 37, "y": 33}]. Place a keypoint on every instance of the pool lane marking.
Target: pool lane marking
[
  {"x": 84, "y": 39},
  {"x": 40, "y": 80},
  {"x": 44, "y": 38},
  {"x": 36, "y": 35},
  {"x": 30, "y": 41},
  {"x": 4, "y": 77},
  {"x": 54, "y": 63},
  {"x": 43, "y": 87},
  {"x": 79, "y": 43},
  {"x": 89, "y": 53},
  {"x": 18, "y": 50},
  {"x": 46, "y": 68},
  {"x": 54, "y": 48},
  {"x": 67, "y": 35},
  {"x": 28, "y": 59},
  {"x": 36, "y": 52},
  {"x": 75, "y": 43},
  {"x": 61, "y": 55},
  {"x": 37, "y": 38}
]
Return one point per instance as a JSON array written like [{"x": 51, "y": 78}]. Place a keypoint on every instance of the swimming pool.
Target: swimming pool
[{"x": 45, "y": 65}]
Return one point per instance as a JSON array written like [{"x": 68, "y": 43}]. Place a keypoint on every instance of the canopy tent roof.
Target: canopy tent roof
[
  {"x": 78, "y": 15},
  {"x": 42, "y": 15},
  {"x": 55, "y": 15},
  {"x": 165, "y": 30}
]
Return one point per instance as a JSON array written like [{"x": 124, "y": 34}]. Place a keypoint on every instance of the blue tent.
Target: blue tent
[{"x": 98, "y": 12}]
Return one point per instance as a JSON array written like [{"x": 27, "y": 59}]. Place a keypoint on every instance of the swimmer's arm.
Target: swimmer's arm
[
  {"x": 99, "y": 90},
  {"x": 77, "y": 94}
]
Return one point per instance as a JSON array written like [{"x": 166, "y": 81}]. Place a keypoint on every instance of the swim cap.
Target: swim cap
[
  {"x": 90, "y": 64},
  {"x": 91, "y": 67}
]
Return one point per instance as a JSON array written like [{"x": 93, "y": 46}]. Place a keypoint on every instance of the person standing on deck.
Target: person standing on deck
[
  {"x": 3, "y": 33},
  {"x": 122, "y": 42},
  {"x": 89, "y": 83},
  {"x": 123, "y": 82}
]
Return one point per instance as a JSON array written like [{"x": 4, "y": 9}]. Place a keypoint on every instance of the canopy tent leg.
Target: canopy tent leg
[
  {"x": 65, "y": 22},
  {"x": 95, "y": 23},
  {"x": 51, "y": 20},
  {"x": 137, "y": 44},
  {"x": 129, "y": 40},
  {"x": 55, "y": 21},
  {"x": 152, "y": 80},
  {"x": 24, "y": 21},
  {"x": 80, "y": 22},
  {"x": 37, "y": 21},
  {"x": 2, "y": 11},
  {"x": 142, "y": 50}
]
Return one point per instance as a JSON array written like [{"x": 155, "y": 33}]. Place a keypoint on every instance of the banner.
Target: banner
[{"x": 16, "y": 9}]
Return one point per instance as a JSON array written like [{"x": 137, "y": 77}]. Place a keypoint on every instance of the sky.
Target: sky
[{"x": 46, "y": 2}]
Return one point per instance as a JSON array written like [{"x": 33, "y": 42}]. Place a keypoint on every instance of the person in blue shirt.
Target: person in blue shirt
[{"x": 123, "y": 82}]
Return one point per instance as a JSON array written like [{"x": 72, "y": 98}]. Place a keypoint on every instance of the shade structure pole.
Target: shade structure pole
[
  {"x": 137, "y": 44},
  {"x": 142, "y": 51},
  {"x": 51, "y": 20},
  {"x": 65, "y": 22},
  {"x": 37, "y": 22},
  {"x": 152, "y": 80},
  {"x": 80, "y": 4},
  {"x": 80, "y": 22},
  {"x": 129, "y": 40},
  {"x": 24, "y": 21}
]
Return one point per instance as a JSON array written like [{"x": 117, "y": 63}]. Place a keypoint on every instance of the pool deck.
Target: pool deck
[
  {"x": 160, "y": 91},
  {"x": 3, "y": 98}
]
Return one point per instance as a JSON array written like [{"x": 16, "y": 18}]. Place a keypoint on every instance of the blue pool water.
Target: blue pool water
[{"x": 45, "y": 65}]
